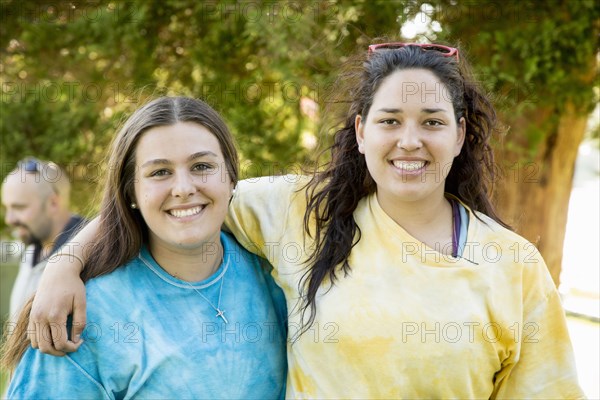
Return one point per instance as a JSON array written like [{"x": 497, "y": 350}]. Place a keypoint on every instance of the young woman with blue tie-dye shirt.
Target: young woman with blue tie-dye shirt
[{"x": 176, "y": 308}]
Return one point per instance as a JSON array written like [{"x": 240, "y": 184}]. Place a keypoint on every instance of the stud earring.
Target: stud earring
[{"x": 133, "y": 205}]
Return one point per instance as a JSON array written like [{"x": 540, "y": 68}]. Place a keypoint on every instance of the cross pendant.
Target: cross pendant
[{"x": 221, "y": 313}]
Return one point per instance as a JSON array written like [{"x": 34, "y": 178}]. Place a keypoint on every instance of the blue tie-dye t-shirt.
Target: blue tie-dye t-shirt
[{"x": 150, "y": 335}]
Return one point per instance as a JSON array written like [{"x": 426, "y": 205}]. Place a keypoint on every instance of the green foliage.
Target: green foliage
[
  {"x": 532, "y": 54},
  {"x": 71, "y": 71}
]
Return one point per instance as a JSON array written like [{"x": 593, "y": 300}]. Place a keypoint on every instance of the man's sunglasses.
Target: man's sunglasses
[{"x": 33, "y": 165}]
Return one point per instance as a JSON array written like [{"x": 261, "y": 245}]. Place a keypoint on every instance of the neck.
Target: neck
[
  {"x": 191, "y": 265},
  {"x": 429, "y": 221}
]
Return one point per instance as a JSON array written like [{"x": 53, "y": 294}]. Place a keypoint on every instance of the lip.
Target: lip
[
  {"x": 19, "y": 230},
  {"x": 410, "y": 165},
  {"x": 185, "y": 212}
]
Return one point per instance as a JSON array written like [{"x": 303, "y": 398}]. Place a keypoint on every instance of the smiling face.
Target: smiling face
[
  {"x": 28, "y": 204},
  {"x": 182, "y": 187},
  {"x": 410, "y": 138}
]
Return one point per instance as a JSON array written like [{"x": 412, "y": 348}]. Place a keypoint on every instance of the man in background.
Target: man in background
[{"x": 36, "y": 201}]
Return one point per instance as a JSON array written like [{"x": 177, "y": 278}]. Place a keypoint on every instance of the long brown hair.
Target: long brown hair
[
  {"x": 122, "y": 230},
  {"x": 334, "y": 193}
]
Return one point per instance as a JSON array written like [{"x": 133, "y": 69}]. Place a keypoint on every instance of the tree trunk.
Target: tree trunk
[{"x": 533, "y": 196}]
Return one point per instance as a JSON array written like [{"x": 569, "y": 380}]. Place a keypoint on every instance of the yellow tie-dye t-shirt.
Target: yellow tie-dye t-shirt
[{"x": 408, "y": 321}]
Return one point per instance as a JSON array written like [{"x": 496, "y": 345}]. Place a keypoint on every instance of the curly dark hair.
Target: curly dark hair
[{"x": 334, "y": 193}]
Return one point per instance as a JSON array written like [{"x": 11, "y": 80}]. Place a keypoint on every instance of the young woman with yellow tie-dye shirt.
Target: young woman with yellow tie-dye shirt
[{"x": 400, "y": 279}]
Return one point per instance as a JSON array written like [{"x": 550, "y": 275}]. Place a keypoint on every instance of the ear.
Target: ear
[
  {"x": 461, "y": 131},
  {"x": 53, "y": 202},
  {"x": 359, "y": 129}
]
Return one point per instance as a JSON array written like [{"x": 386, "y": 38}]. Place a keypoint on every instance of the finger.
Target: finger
[
  {"x": 58, "y": 335},
  {"x": 68, "y": 347},
  {"x": 46, "y": 344},
  {"x": 32, "y": 333},
  {"x": 79, "y": 318},
  {"x": 32, "y": 324},
  {"x": 39, "y": 334}
]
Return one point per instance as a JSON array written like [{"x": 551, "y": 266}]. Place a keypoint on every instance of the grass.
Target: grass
[
  {"x": 3, "y": 383},
  {"x": 8, "y": 272}
]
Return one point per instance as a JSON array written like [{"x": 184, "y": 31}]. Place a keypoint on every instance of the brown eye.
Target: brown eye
[
  {"x": 202, "y": 167},
  {"x": 160, "y": 172}
]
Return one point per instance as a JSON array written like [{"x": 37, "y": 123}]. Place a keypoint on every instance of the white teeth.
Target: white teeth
[
  {"x": 409, "y": 165},
  {"x": 185, "y": 213}
]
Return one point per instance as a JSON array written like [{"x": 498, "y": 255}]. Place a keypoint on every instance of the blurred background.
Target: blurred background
[{"x": 70, "y": 71}]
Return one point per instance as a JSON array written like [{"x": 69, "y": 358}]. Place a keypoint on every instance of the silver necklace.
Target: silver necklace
[{"x": 220, "y": 313}]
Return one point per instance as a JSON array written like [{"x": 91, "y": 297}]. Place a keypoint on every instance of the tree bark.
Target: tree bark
[{"x": 533, "y": 196}]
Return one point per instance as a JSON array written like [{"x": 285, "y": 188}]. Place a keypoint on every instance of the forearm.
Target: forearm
[
  {"x": 61, "y": 293},
  {"x": 73, "y": 254}
]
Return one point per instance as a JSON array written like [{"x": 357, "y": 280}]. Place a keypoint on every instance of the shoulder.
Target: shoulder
[
  {"x": 272, "y": 185},
  {"x": 278, "y": 196},
  {"x": 487, "y": 232},
  {"x": 243, "y": 261},
  {"x": 115, "y": 290},
  {"x": 486, "y": 226},
  {"x": 122, "y": 273},
  {"x": 236, "y": 252},
  {"x": 514, "y": 251},
  {"x": 263, "y": 208}
]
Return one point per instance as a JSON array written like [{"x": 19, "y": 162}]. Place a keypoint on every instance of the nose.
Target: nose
[
  {"x": 184, "y": 185},
  {"x": 409, "y": 138},
  {"x": 11, "y": 217}
]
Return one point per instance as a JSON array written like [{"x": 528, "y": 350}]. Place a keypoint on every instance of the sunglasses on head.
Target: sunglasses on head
[
  {"x": 443, "y": 50},
  {"x": 33, "y": 165}
]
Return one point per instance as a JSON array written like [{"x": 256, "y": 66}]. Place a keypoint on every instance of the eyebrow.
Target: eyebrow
[
  {"x": 391, "y": 110},
  {"x": 163, "y": 161},
  {"x": 400, "y": 111},
  {"x": 433, "y": 110}
]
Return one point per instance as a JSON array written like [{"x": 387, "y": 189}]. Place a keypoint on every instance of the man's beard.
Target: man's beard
[{"x": 28, "y": 238}]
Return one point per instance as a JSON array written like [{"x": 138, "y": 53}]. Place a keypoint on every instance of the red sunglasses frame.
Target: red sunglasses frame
[{"x": 443, "y": 50}]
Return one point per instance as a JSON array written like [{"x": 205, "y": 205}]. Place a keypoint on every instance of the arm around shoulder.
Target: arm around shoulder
[
  {"x": 61, "y": 293},
  {"x": 259, "y": 210}
]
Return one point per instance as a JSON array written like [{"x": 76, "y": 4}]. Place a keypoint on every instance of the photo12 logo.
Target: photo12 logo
[
  {"x": 64, "y": 12},
  {"x": 471, "y": 332},
  {"x": 269, "y": 12}
]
